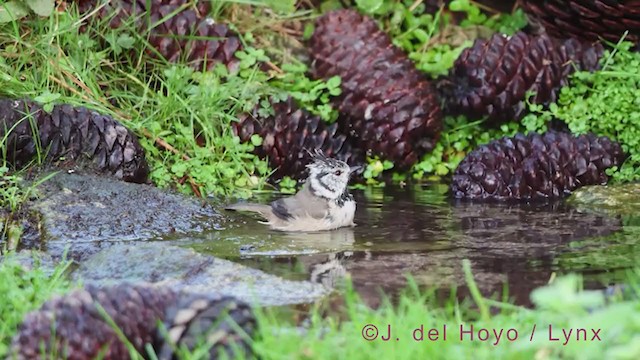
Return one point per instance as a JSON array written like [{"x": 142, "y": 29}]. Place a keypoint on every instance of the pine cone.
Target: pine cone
[
  {"x": 387, "y": 106},
  {"x": 81, "y": 331},
  {"x": 492, "y": 77},
  {"x": 535, "y": 166},
  {"x": 586, "y": 19},
  {"x": 289, "y": 133},
  {"x": 72, "y": 133},
  {"x": 173, "y": 38},
  {"x": 193, "y": 317}
]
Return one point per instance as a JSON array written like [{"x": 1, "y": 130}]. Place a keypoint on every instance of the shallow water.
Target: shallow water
[{"x": 418, "y": 231}]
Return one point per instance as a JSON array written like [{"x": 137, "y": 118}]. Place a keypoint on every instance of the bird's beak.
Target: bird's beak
[{"x": 356, "y": 168}]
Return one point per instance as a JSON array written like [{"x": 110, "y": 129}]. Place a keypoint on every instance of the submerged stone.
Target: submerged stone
[{"x": 184, "y": 269}]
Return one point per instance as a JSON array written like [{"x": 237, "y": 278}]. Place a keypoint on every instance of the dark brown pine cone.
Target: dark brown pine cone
[
  {"x": 74, "y": 133},
  {"x": 586, "y": 19},
  {"x": 387, "y": 106},
  {"x": 288, "y": 135},
  {"x": 81, "y": 331},
  {"x": 189, "y": 321},
  {"x": 186, "y": 35},
  {"x": 535, "y": 166},
  {"x": 492, "y": 77}
]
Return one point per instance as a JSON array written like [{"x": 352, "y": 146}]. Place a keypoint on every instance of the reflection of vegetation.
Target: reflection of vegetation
[{"x": 619, "y": 250}]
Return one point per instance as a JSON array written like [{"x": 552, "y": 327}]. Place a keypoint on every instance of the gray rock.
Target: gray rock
[
  {"x": 186, "y": 270},
  {"x": 89, "y": 212}
]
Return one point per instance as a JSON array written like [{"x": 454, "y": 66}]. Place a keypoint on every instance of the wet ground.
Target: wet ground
[{"x": 418, "y": 231}]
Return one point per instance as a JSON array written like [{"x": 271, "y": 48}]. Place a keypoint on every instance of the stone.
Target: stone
[{"x": 184, "y": 269}]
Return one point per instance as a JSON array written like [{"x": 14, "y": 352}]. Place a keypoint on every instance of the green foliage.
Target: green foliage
[
  {"x": 194, "y": 111},
  {"x": 434, "y": 41},
  {"x": 183, "y": 117},
  {"x": 375, "y": 167},
  {"x": 561, "y": 305},
  {"x": 25, "y": 290},
  {"x": 313, "y": 95},
  {"x": 604, "y": 102},
  {"x": 502, "y": 23},
  {"x": 287, "y": 185},
  {"x": 457, "y": 139},
  {"x": 11, "y": 191},
  {"x": 16, "y": 9}
]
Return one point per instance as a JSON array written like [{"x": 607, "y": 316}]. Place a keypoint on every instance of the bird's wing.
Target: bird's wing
[
  {"x": 264, "y": 210},
  {"x": 303, "y": 204}
]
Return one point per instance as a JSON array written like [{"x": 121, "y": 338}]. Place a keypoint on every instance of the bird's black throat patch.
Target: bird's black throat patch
[{"x": 344, "y": 198}]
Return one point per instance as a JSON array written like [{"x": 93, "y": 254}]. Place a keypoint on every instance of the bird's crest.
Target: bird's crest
[{"x": 318, "y": 158}]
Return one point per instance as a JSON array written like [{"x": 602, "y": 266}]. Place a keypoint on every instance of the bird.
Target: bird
[{"x": 323, "y": 203}]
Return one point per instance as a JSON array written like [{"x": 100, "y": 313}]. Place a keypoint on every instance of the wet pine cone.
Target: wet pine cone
[
  {"x": 586, "y": 19},
  {"x": 288, "y": 135},
  {"x": 193, "y": 317},
  {"x": 81, "y": 331},
  {"x": 386, "y": 105},
  {"x": 491, "y": 78},
  {"x": 75, "y": 133},
  {"x": 186, "y": 35},
  {"x": 535, "y": 166}
]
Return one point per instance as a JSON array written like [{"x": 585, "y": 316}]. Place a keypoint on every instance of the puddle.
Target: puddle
[{"x": 418, "y": 231}]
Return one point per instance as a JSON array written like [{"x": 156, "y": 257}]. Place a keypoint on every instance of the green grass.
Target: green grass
[
  {"x": 183, "y": 119},
  {"x": 24, "y": 290},
  {"x": 183, "y": 116},
  {"x": 169, "y": 106},
  {"x": 562, "y": 305}
]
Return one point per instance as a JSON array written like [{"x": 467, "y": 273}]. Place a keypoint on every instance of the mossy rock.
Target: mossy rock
[{"x": 623, "y": 199}]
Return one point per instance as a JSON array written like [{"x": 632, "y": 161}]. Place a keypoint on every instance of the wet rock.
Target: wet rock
[
  {"x": 89, "y": 212},
  {"x": 621, "y": 199},
  {"x": 184, "y": 269}
]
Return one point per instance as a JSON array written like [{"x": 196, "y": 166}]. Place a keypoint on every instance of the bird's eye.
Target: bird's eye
[{"x": 338, "y": 172}]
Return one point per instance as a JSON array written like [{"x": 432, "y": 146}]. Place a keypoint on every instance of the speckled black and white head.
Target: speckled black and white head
[{"x": 328, "y": 178}]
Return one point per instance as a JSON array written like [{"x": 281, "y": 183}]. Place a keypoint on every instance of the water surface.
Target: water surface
[{"x": 418, "y": 231}]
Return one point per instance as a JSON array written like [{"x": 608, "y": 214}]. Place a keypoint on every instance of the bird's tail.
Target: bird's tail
[{"x": 259, "y": 208}]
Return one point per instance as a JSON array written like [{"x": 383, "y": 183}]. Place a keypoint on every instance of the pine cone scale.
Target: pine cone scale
[{"x": 587, "y": 20}]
